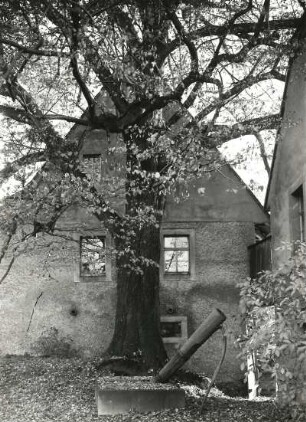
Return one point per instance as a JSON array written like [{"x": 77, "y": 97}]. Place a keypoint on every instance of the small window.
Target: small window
[
  {"x": 176, "y": 254},
  {"x": 91, "y": 166},
  {"x": 173, "y": 329},
  {"x": 297, "y": 215},
  {"x": 92, "y": 259}
]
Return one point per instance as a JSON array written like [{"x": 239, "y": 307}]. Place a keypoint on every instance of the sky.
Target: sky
[{"x": 251, "y": 169}]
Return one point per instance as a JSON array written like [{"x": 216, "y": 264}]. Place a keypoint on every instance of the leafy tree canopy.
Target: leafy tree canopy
[
  {"x": 211, "y": 62},
  {"x": 171, "y": 79},
  {"x": 174, "y": 80}
]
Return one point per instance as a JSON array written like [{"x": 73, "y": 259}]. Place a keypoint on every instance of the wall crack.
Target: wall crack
[{"x": 33, "y": 310}]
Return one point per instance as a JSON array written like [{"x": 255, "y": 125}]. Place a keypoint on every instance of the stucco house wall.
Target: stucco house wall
[
  {"x": 289, "y": 163},
  {"x": 286, "y": 195},
  {"x": 223, "y": 224},
  {"x": 45, "y": 308}
]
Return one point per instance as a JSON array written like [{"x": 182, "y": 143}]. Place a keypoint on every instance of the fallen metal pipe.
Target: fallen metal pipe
[{"x": 205, "y": 330}]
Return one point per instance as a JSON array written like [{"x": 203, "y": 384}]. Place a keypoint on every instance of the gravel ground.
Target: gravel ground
[{"x": 58, "y": 390}]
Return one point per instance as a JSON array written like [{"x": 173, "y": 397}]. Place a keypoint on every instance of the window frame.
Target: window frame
[
  {"x": 297, "y": 198},
  {"x": 184, "y": 332},
  {"x": 89, "y": 155},
  {"x": 107, "y": 275},
  {"x": 102, "y": 238},
  {"x": 175, "y": 249},
  {"x": 297, "y": 201},
  {"x": 177, "y": 232}
]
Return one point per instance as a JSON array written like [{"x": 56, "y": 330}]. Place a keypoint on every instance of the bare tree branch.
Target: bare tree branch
[
  {"x": 264, "y": 15},
  {"x": 222, "y": 133},
  {"x": 263, "y": 152},
  {"x": 239, "y": 29},
  {"x": 111, "y": 85},
  {"x": 237, "y": 89},
  {"x": 17, "y": 114},
  {"x": 216, "y": 56},
  {"x": 7, "y": 270},
  {"x": 194, "y": 70},
  {"x": 75, "y": 36},
  {"x": 9, "y": 235},
  {"x": 69, "y": 119},
  {"x": 36, "y": 51}
]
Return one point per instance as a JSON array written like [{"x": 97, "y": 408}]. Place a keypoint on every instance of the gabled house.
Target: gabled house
[{"x": 60, "y": 298}]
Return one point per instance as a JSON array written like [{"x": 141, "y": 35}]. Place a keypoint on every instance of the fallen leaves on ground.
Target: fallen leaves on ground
[{"x": 59, "y": 390}]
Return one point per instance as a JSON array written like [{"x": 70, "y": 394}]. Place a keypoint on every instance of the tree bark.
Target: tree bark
[
  {"x": 137, "y": 242},
  {"x": 137, "y": 325}
]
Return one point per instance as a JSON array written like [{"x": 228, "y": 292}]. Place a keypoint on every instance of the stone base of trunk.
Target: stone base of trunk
[{"x": 116, "y": 395}]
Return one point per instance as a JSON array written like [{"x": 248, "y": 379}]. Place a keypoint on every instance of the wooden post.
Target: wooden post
[
  {"x": 252, "y": 381},
  {"x": 205, "y": 330}
]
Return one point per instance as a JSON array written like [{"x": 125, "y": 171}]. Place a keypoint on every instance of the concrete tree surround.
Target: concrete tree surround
[{"x": 116, "y": 395}]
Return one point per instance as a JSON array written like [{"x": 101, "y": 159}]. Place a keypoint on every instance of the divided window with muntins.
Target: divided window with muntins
[
  {"x": 92, "y": 256},
  {"x": 91, "y": 165},
  {"x": 176, "y": 254}
]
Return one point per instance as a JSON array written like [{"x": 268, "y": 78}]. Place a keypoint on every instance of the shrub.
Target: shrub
[{"x": 274, "y": 310}]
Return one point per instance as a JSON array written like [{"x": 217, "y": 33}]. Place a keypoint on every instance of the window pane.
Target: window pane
[
  {"x": 182, "y": 242},
  {"x": 171, "y": 329},
  {"x": 176, "y": 242},
  {"x": 91, "y": 165},
  {"x": 183, "y": 266},
  {"x": 92, "y": 256},
  {"x": 176, "y": 261},
  {"x": 170, "y": 261},
  {"x": 183, "y": 256},
  {"x": 169, "y": 242},
  {"x": 297, "y": 215}
]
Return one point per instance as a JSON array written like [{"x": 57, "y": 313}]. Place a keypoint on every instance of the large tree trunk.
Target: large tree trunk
[
  {"x": 137, "y": 326},
  {"x": 137, "y": 241}
]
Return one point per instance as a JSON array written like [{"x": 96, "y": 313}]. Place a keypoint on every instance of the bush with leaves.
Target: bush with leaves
[{"x": 274, "y": 310}]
